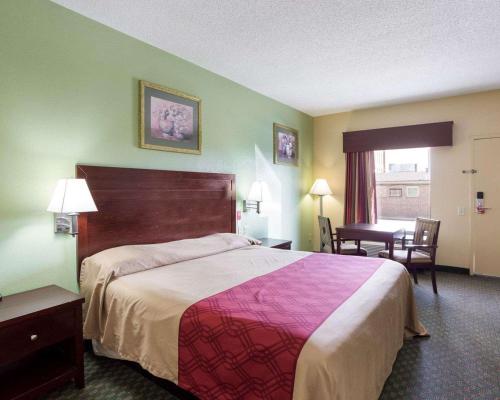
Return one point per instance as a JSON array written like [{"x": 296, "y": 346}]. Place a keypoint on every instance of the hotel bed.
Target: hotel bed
[{"x": 223, "y": 317}]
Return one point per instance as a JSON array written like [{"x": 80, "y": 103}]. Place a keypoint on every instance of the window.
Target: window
[
  {"x": 403, "y": 185},
  {"x": 395, "y": 192},
  {"x": 412, "y": 191}
]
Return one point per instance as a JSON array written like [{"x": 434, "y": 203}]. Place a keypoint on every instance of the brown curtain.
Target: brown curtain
[{"x": 360, "y": 196}]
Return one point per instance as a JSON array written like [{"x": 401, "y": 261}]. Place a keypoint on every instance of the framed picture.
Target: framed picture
[
  {"x": 286, "y": 145},
  {"x": 170, "y": 120}
]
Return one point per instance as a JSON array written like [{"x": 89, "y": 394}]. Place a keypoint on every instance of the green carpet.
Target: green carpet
[{"x": 461, "y": 359}]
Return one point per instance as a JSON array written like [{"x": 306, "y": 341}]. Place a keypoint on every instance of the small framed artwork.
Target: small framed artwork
[
  {"x": 170, "y": 120},
  {"x": 286, "y": 145}
]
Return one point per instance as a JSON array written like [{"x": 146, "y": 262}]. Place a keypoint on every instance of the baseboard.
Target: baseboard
[{"x": 455, "y": 270}]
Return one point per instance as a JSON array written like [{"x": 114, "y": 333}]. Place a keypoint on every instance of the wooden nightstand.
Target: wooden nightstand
[
  {"x": 277, "y": 243},
  {"x": 41, "y": 342}
]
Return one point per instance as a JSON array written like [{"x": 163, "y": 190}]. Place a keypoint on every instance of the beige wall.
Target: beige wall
[{"x": 473, "y": 115}]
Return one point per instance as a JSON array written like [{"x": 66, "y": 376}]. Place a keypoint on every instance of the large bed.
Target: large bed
[{"x": 221, "y": 316}]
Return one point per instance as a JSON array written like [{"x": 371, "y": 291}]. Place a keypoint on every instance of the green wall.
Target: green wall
[{"x": 69, "y": 94}]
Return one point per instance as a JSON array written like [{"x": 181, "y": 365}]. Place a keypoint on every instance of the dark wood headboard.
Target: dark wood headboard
[{"x": 138, "y": 206}]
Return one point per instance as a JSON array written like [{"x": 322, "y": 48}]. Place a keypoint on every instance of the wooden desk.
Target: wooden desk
[{"x": 371, "y": 232}]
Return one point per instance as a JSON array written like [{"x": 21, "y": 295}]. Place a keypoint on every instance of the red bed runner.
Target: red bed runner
[{"x": 244, "y": 343}]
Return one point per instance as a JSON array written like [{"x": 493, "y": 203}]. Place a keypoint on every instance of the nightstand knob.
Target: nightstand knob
[{"x": 34, "y": 338}]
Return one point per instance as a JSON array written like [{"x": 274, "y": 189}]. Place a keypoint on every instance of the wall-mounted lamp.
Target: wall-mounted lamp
[
  {"x": 71, "y": 197},
  {"x": 255, "y": 197},
  {"x": 320, "y": 188}
]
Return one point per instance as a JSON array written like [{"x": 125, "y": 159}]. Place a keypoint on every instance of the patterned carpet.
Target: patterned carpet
[{"x": 461, "y": 359}]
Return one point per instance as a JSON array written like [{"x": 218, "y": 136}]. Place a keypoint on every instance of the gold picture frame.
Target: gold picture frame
[
  {"x": 170, "y": 120},
  {"x": 286, "y": 145}
]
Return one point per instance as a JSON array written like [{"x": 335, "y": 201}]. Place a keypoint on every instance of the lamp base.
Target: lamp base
[
  {"x": 66, "y": 223},
  {"x": 251, "y": 205}
]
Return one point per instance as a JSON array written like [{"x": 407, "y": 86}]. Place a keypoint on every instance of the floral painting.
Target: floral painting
[
  {"x": 286, "y": 145},
  {"x": 170, "y": 120}
]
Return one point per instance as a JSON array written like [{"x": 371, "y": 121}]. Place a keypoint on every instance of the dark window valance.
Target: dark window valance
[{"x": 400, "y": 137}]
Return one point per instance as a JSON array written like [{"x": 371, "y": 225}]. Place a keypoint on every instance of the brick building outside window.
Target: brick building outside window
[{"x": 403, "y": 186}]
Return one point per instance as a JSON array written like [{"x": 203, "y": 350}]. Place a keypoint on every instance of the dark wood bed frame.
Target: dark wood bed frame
[{"x": 138, "y": 206}]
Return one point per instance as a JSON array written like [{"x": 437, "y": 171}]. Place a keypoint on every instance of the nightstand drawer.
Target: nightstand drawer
[{"x": 23, "y": 338}]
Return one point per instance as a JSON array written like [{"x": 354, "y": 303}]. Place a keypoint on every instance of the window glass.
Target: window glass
[{"x": 403, "y": 185}]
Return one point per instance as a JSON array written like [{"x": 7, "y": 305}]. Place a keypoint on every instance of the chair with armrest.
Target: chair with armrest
[
  {"x": 421, "y": 253},
  {"x": 327, "y": 241}
]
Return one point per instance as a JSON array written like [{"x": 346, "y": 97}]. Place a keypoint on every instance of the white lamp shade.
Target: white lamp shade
[
  {"x": 259, "y": 192},
  {"x": 320, "y": 188},
  {"x": 71, "y": 196}
]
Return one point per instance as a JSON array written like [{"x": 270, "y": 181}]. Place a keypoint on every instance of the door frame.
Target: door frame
[{"x": 472, "y": 270}]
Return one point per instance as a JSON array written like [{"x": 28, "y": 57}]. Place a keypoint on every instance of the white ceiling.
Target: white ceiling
[{"x": 323, "y": 56}]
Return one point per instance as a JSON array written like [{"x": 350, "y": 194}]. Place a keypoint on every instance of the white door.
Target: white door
[{"x": 486, "y": 227}]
